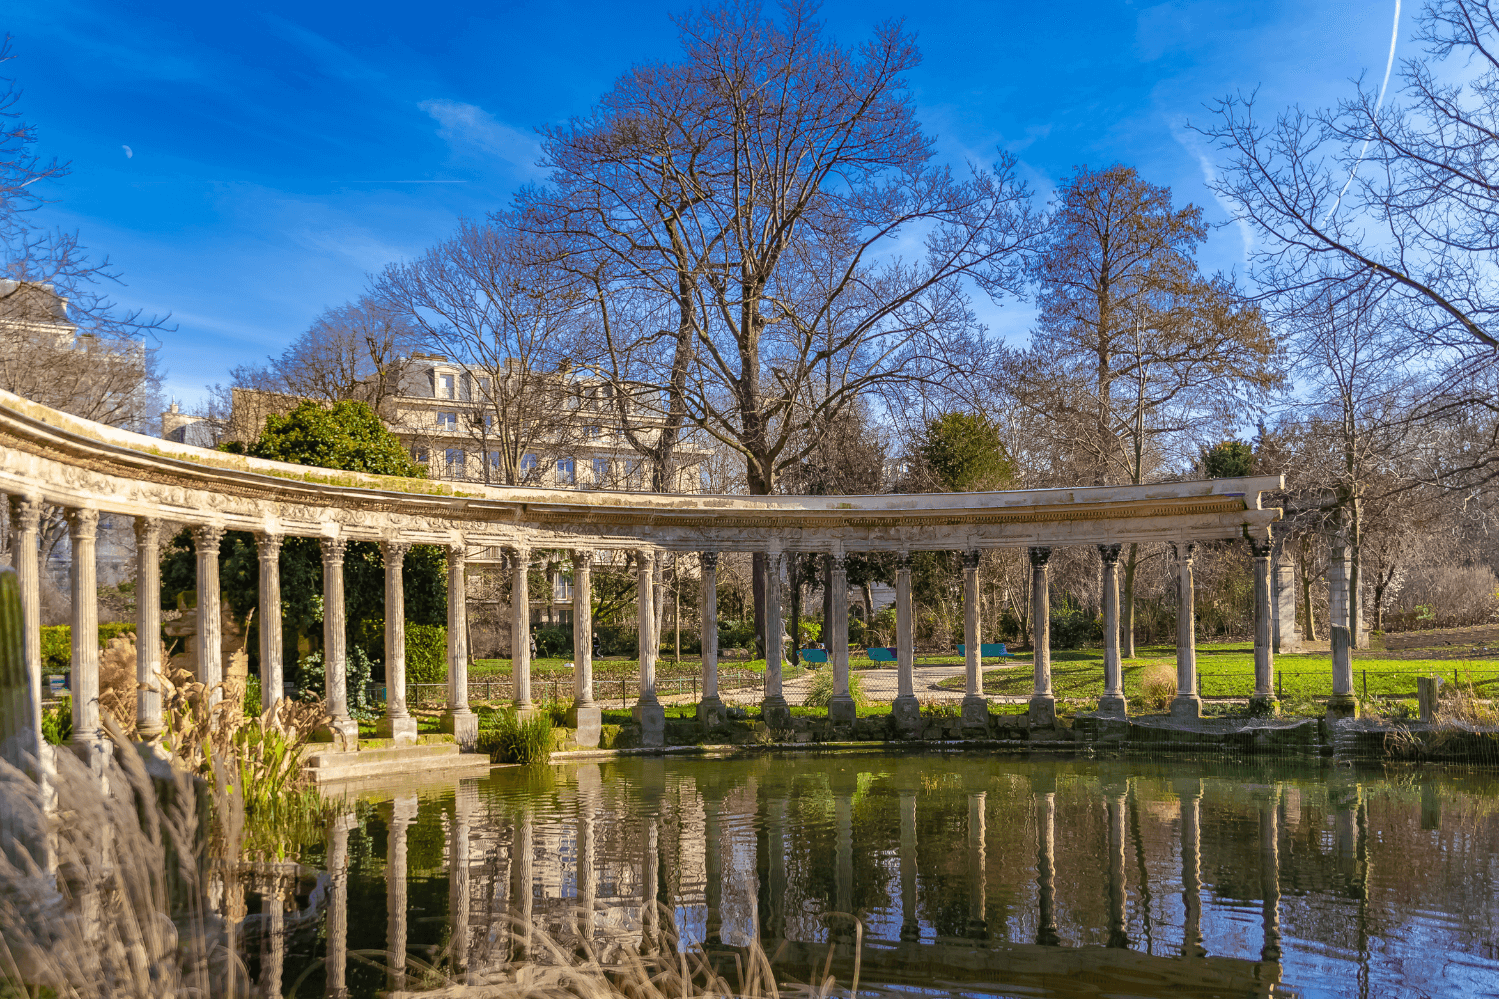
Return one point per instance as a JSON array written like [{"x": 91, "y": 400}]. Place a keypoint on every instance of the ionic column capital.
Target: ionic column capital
[
  {"x": 1109, "y": 554},
  {"x": 708, "y": 561},
  {"x": 971, "y": 558},
  {"x": 147, "y": 532},
  {"x": 83, "y": 523},
  {"x": 1040, "y": 556},
  {"x": 268, "y": 546},
  {"x": 333, "y": 551},
  {"x": 207, "y": 537}
]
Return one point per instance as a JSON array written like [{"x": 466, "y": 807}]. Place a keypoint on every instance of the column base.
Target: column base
[
  {"x": 1186, "y": 706},
  {"x": 343, "y": 733},
  {"x": 524, "y": 712},
  {"x": 1341, "y": 707},
  {"x": 1042, "y": 711},
  {"x": 93, "y": 752},
  {"x": 910, "y": 932},
  {"x": 711, "y": 713},
  {"x": 842, "y": 710},
  {"x": 977, "y": 929},
  {"x": 1264, "y": 706},
  {"x": 401, "y": 729},
  {"x": 588, "y": 722},
  {"x": 1113, "y": 705},
  {"x": 974, "y": 714},
  {"x": 464, "y": 726},
  {"x": 906, "y": 710},
  {"x": 775, "y": 712},
  {"x": 652, "y": 719}
]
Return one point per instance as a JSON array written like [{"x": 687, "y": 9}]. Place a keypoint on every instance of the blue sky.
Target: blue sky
[{"x": 280, "y": 153}]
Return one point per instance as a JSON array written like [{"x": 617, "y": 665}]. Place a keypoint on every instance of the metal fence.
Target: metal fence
[
  {"x": 607, "y": 691},
  {"x": 1212, "y": 687}
]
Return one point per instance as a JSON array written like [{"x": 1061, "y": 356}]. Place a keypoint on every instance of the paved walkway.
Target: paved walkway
[{"x": 882, "y": 685}]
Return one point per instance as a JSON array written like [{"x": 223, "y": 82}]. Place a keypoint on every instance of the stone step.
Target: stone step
[
  {"x": 338, "y": 758},
  {"x": 398, "y": 761}
]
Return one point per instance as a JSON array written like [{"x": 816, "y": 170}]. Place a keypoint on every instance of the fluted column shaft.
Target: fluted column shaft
[
  {"x": 458, "y": 718},
  {"x": 1112, "y": 701},
  {"x": 1186, "y": 704},
  {"x": 841, "y": 707},
  {"x": 520, "y": 630},
  {"x": 403, "y": 812},
  {"x": 396, "y": 723},
  {"x": 1043, "y": 703},
  {"x": 88, "y": 728},
  {"x": 272, "y": 672},
  {"x": 972, "y": 653},
  {"x": 1263, "y": 701},
  {"x": 25, "y": 558},
  {"x": 335, "y": 640},
  {"x": 336, "y": 974},
  {"x": 645, "y": 588},
  {"x": 589, "y": 805},
  {"x": 709, "y": 564},
  {"x": 773, "y": 709},
  {"x": 905, "y": 644},
  {"x": 148, "y": 722},
  {"x": 583, "y": 627},
  {"x": 206, "y": 538}
]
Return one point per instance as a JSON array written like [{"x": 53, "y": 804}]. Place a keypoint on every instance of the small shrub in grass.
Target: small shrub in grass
[
  {"x": 507, "y": 739},
  {"x": 1158, "y": 686},
  {"x": 57, "y": 723},
  {"x": 426, "y": 653},
  {"x": 820, "y": 688}
]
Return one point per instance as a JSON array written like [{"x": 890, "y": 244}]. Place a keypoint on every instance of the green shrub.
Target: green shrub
[
  {"x": 252, "y": 697},
  {"x": 57, "y": 643},
  {"x": 736, "y": 634},
  {"x": 57, "y": 723},
  {"x": 820, "y": 688},
  {"x": 553, "y": 642},
  {"x": 312, "y": 678},
  {"x": 616, "y": 640},
  {"x": 426, "y": 653},
  {"x": 509, "y": 740},
  {"x": 1071, "y": 627}
]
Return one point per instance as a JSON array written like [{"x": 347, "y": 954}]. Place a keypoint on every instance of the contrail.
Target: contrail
[{"x": 1389, "y": 65}]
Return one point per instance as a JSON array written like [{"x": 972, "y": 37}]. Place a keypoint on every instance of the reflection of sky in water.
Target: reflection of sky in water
[{"x": 1369, "y": 885}]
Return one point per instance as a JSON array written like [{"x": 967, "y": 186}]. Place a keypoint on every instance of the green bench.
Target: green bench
[{"x": 989, "y": 650}]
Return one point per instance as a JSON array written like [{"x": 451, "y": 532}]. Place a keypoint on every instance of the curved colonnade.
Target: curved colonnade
[{"x": 52, "y": 458}]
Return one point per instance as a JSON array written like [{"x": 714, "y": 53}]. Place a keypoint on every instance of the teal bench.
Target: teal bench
[
  {"x": 813, "y": 655},
  {"x": 881, "y": 654},
  {"x": 989, "y": 650}
]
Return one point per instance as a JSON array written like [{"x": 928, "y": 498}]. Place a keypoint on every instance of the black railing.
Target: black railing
[{"x": 607, "y": 690}]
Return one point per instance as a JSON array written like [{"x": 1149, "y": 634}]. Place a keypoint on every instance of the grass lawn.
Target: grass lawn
[{"x": 1227, "y": 670}]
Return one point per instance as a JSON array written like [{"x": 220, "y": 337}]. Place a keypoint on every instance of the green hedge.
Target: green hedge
[
  {"x": 57, "y": 643},
  {"x": 426, "y": 653}
]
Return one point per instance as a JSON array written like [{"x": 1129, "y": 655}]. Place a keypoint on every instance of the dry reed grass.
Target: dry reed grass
[{"x": 1158, "y": 686}]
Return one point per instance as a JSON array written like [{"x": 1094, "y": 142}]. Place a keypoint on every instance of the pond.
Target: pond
[{"x": 943, "y": 874}]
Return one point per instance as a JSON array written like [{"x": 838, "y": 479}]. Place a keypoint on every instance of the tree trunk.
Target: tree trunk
[
  {"x": 1127, "y": 608},
  {"x": 796, "y": 614},
  {"x": 868, "y": 592},
  {"x": 1310, "y": 632},
  {"x": 758, "y": 564},
  {"x": 827, "y": 595}
]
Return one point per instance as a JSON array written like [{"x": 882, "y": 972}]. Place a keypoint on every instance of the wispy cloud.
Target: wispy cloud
[
  {"x": 469, "y": 129},
  {"x": 331, "y": 59}
]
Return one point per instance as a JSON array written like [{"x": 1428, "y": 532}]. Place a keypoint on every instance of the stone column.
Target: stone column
[
  {"x": 710, "y": 710},
  {"x": 1043, "y": 705},
  {"x": 206, "y": 538},
  {"x": 1186, "y": 703},
  {"x": 841, "y": 707},
  {"x": 1112, "y": 702},
  {"x": 1046, "y": 869},
  {"x": 458, "y": 874},
  {"x": 402, "y": 813},
  {"x": 89, "y": 741},
  {"x": 585, "y": 716},
  {"x": 25, "y": 559},
  {"x": 589, "y": 804},
  {"x": 910, "y": 927},
  {"x": 520, "y": 630},
  {"x": 148, "y": 721},
  {"x": 396, "y": 722},
  {"x": 905, "y": 709},
  {"x": 774, "y": 710},
  {"x": 1114, "y": 795},
  {"x": 1287, "y": 633},
  {"x": 975, "y": 710},
  {"x": 343, "y": 730},
  {"x": 338, "y": 907},
  {"x": 1190, "y": 792},
  {"x": 978, "y": 893},
  {"x": 1263, "y": 702},
  {"x": 459, "y": 718},
  {"x": 648, "y": 711},
  {"x": 1270, "y": 874},
  {"x": 1342, "y": 704}
]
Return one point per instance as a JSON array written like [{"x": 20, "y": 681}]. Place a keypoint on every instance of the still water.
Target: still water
[{"x": 968, "y": 874}]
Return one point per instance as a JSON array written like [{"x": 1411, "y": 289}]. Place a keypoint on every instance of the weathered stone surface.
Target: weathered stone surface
[
  {"x": 651, "y": 717},
  {"x": 588, "y": 721}
]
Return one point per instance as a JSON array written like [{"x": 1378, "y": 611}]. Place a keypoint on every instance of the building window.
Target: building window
[
  {"x": 493, "y": 458},
  {"x": 456, "y": 461},
  {"x": 446, "y": 382},
  {"x": 632, "y": 467},
  {"x": 447, "y": 421},
  {"x": 527, "y": 465},
  {"x": 562, "y": 589},
  {"x": 419, "y": 454},
  {"x": 594, "y": 431},
  {"x": 566, "y": 472},
  {"x": 600, "y": 471}
]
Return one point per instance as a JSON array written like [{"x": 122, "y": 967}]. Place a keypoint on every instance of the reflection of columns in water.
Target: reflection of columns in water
[
  {"x": 521, "y": 876},
  {"x": 910, "y": 929},
  {"x": 1118, "y": 935},
  {"x": 1191, "y": 804},
  {"x": 589, "y": 783},
  {"x": 338, "y": 906},
  {"x": 458, "y": 862},
  {"x": 713, "y": 864},
  {"x": 775, "y": 845},
  {"x": 650, "y": 907},
  {"x": 402, "y": 814},
  {"x": 843, "y": 812},
  {"x": 273, "y": 940},
  {"x": 1046, "y": 822},
  {"x": 978, "y": 924},
  {"x": 1270, "y": 873}
]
